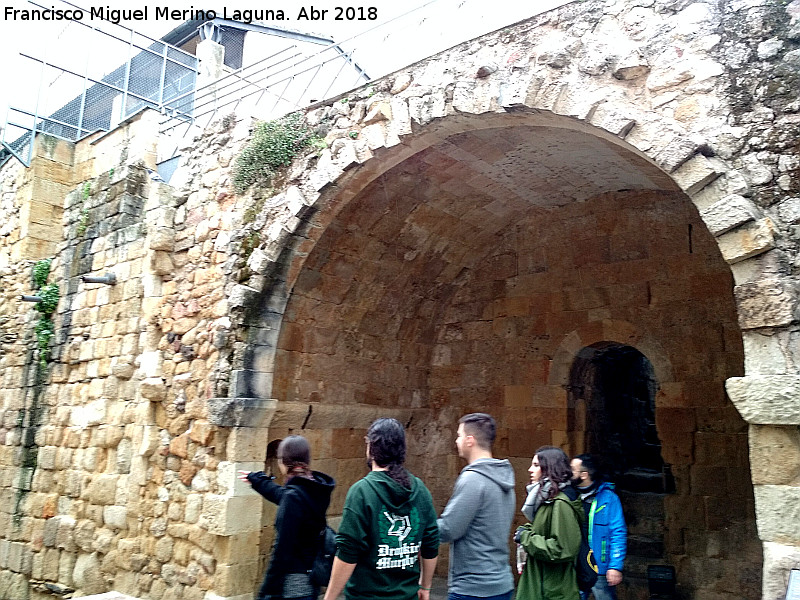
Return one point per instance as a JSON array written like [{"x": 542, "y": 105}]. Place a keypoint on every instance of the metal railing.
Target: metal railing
[{"x": 109, "y": 73}]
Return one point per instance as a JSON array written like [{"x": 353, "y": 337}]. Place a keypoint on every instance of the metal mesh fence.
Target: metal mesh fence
[{"x": 104, "y": 75}]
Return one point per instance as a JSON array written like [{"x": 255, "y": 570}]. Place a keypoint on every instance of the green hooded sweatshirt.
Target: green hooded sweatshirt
[
  {"x": 552, "y": 542},
  {"x": 385, "y": 527}
]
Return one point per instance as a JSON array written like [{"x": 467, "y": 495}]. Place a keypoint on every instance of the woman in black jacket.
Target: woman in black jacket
[{"x": 302, "y": 503}]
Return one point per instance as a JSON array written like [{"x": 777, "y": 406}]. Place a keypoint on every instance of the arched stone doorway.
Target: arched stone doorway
[
  {"x": 458, "y": 280},
  {"x": 615, "y": 386},
  {"x": 612, "y": 402}
]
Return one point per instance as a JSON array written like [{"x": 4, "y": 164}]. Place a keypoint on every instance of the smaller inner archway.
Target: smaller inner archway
[
  {"x": 612, "y": 394},
  {"x": 617, "y": 386}
]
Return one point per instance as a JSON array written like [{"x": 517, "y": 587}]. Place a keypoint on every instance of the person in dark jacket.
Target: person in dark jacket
[
  {"x": 302, "y": 503},
  {"x": 553, "y": 537},
  {"x": 388, "y": 541}
]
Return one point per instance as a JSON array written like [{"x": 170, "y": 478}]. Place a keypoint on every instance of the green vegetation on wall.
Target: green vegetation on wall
[
  {"x": 45, "y": 328},
  {"x": 274, "y": 145}
]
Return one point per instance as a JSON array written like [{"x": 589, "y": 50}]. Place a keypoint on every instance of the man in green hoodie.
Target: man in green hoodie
[{"x": 388, "y": 541}]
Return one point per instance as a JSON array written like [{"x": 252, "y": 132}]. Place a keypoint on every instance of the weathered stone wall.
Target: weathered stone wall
[{"x": 321, "y": 305}]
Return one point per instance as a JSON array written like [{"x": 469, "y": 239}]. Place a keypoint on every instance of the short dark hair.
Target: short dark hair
[
  {"x": 387, "y": 447},
  {"x": 482, "y": 427},
  {"x": 589, "y": 465}
]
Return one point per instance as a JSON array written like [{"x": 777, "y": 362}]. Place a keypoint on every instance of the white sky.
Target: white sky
[{"x": 435, "y": 27}]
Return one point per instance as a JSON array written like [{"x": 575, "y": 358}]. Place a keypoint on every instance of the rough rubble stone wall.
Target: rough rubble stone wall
[{"x": 149, "y": 418}]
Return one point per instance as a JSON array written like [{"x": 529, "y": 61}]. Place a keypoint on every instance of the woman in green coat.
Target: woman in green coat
[{"x": 552, "y": 539}]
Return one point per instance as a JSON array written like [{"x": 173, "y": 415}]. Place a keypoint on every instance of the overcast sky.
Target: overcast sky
[{"x": 437, "y": 25}]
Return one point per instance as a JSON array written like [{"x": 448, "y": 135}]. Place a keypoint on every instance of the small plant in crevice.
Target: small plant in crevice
[
  {"x": 83, "y": 223},
  {"x": 250, "y": 243},
  {"x": 252, "y": 211},
  {"x": 41, "y": 269},
  {"x": 274, "y": 145},
  {"x": 45, "y": 327}
]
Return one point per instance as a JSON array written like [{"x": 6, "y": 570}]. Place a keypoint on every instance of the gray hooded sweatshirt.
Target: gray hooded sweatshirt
[{"x": 477, "y": 522}]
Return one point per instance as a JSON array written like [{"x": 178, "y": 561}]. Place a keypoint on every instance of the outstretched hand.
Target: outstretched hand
[{"x": 243, "y": 476}]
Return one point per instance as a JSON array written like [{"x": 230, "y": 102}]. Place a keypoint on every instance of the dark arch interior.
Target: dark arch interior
[{"x": 618, "y": 385}]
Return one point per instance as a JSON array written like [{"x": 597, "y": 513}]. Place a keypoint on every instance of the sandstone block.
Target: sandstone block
[
  {"x": 695, "y": 174},
  {"x": 242, "y": 296},
  {"x": 154, "y": 389},
  {"x": 778, "y": 513},
  {"x": 259, "y": 261},
  {"x": 102, "y": 489},
  {"x": 228, "y": 481},
  {"x": 241, "y": 412},
  {"x": 728, "y": 213},
  {"x": 179, "y": 446},
  {"x": 87, "y": 574},
  {"x": 766, "y": 399},
  {"x": 247, "y": 444},
  {"x": 20, "y": 558},
  {"x": 236, "y": 579},
  {"x": 618, "y": 120},
  {"x": 202, "y": 432},
  {"x": 779, "y": 559},
  {"x": 236, "y": 548},
  {"x": 747, "y": 241},
  {"x": 766, "y": 303},
  {"x": 115, "y": 517},
  {"x": 194, "y": 504},
  {"x": 230, "y": 515},
  {"x": 65, "y": 533},
  {"x": 161, "y": 263},
  {"x": 162, "y": 239},
  {"x": 765, "y": 353},
  {"x": 767, "y": 442},
  {"x": 91, "y": 414}
]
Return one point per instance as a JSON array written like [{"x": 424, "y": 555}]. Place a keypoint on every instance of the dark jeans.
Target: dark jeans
[
  {"x": 506, "y": 596},
  {"x": 601, "y": 590}
]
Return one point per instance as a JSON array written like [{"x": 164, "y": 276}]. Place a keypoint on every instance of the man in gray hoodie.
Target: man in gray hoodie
[{"x": 477, "y": 519}]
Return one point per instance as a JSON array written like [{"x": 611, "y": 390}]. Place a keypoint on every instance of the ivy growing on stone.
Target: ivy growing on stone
[
  {"x": 49, "y": 294},
  {"x": 274, "y": 146},
  {"x": 41, "y": 269}
]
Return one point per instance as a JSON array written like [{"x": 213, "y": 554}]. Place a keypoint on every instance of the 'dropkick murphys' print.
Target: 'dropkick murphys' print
[{"x": 395, "y": 553}]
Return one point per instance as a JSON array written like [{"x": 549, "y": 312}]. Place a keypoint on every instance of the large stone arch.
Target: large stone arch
[{"x": 320, "y": 331}]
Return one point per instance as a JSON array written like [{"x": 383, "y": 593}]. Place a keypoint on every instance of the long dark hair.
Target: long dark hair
[
  {"x": 295, "y": 452},
  {"x": 387, "y": 447},
  {"x": 555, "y": 467}
]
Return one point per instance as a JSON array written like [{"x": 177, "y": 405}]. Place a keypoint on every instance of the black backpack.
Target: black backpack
[
  {"x": 323, "y": 562},
  {"x": 585, "y": 563}
]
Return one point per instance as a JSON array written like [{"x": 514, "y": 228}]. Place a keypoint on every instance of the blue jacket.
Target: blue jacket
[{"x": 608, "y": 535}]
